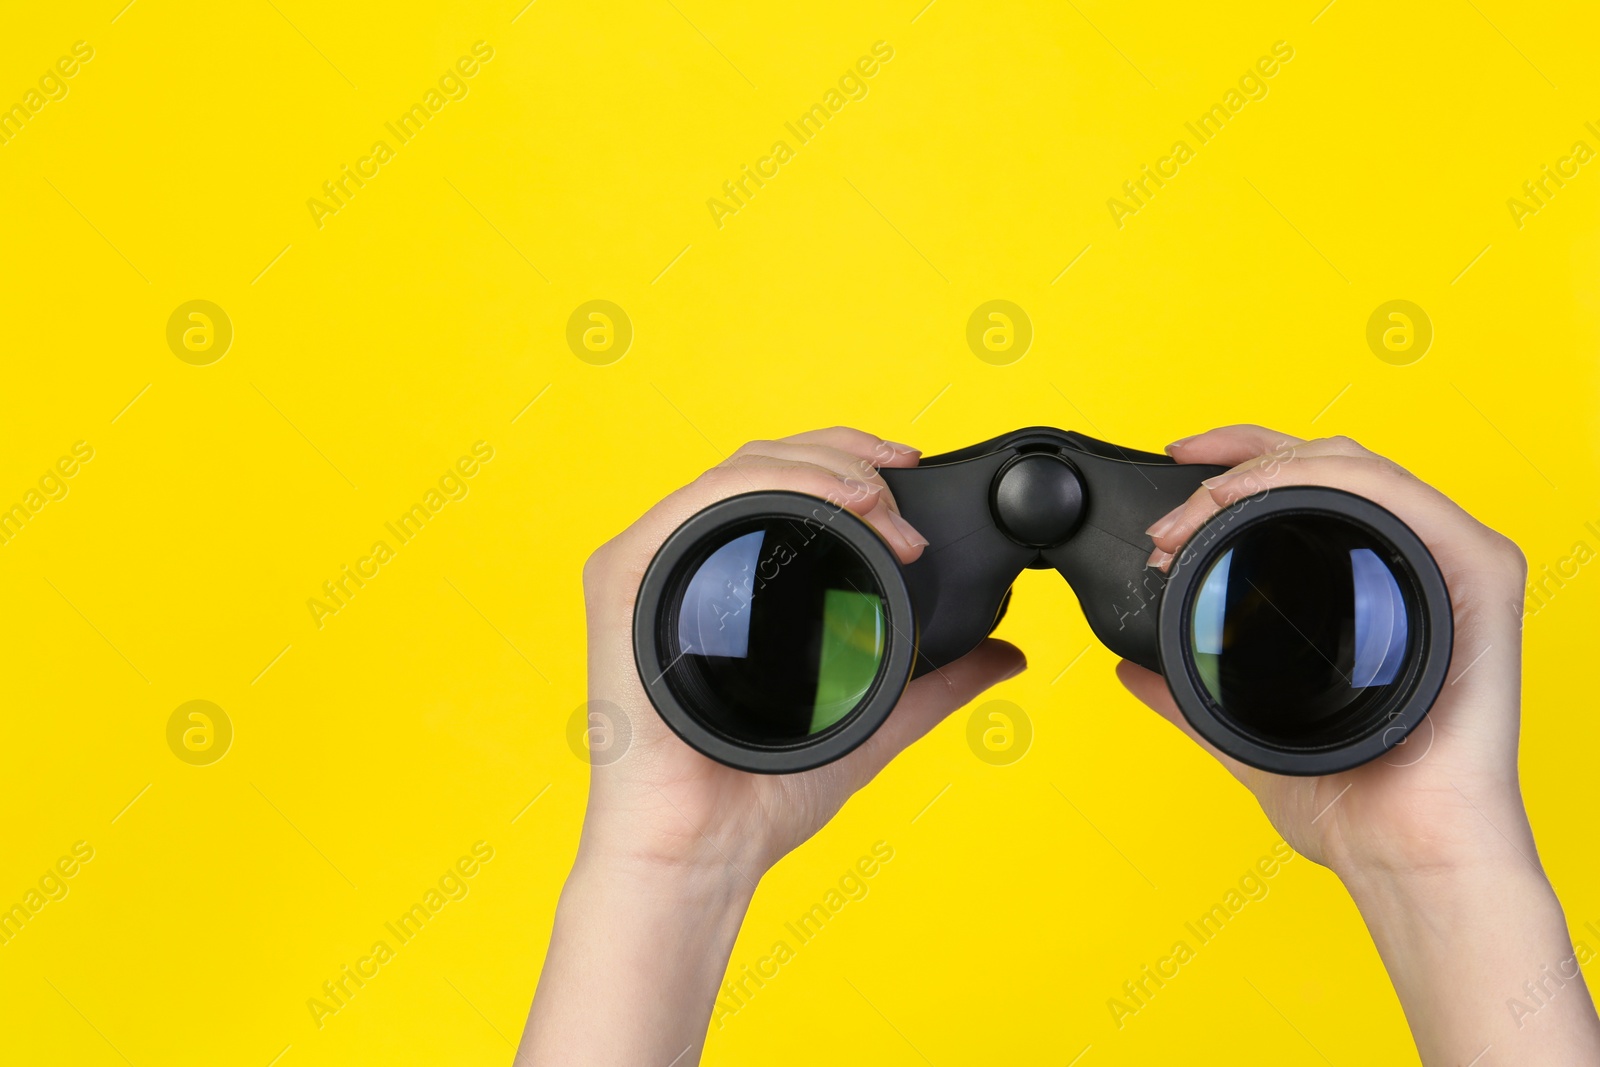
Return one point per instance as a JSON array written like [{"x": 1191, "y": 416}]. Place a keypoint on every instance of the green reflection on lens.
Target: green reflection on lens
[{"x": 852, "y": 646}]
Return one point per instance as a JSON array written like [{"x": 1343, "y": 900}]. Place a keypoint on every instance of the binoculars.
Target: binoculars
[{"x": 1302, "y": 630}]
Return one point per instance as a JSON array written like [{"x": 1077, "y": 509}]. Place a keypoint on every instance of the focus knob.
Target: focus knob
[{"x": 1037, "y": 499}]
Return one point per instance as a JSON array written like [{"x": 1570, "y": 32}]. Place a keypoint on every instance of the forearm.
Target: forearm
[
  {"x": 635, "y": 961},
  {"x": 1482, "y": 961}
]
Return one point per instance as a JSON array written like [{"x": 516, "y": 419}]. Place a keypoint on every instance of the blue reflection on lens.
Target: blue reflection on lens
[
  {"x": 1211, "y": 607},
  {"x": 714, "y": 619},
  {"x": 1380, "y": 620}
]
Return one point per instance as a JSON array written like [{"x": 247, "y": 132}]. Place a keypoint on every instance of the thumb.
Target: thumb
[
  {"x": 930, "y": 699},
  {"x": 1152, "y": 691}
]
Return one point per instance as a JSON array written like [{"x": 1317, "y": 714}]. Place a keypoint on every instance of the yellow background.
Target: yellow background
[{"x": 369, "y": 354}]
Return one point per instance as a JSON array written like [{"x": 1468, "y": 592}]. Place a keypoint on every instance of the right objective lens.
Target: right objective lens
[
  {"x": 1301, "y": 628},
  {"x": 773, "y": 632}
]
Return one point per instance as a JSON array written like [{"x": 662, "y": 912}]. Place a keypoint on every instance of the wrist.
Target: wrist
[
  {"x": 692, "y": 879},
  {"x": 1475, "y": 951},
  {"x": 1433, "y": 898},
  {"x": 1454, "y": 833},
  {"x": 1454, "y": 887},
  {"x": 669, "y": 853},
  {"x": 650, "y": 939},
  {"x": 670, "y": 928}
]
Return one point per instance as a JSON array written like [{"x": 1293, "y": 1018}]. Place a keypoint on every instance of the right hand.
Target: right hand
[{"x": 1448, "y": 795}]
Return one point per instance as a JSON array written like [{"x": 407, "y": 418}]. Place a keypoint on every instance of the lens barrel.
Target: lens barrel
[
  {"x": 1305, "y": 630},
  {"x": 774, "y": 632}
]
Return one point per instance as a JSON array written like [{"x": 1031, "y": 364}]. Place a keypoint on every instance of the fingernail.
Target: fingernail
[
  {"x": 1159, "y": 558},
  {"x": 1018, "y": 669},
  {"x": 904, "y": 450},
  {"x": 1164, "y": 524},
  {"x": 1219, "y": 480},
  {"x": 907, "y": 530},
  {"x": 1179, "y": 443}
]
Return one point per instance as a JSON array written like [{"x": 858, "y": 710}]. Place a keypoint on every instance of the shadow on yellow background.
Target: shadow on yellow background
[{"x": 311, "y": 419}]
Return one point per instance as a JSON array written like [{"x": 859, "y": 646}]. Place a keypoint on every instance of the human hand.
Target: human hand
[
  {"x": 1450, "y": 788},
  {"x": 1432, "y": 839},
  {"x": 673, "y": 842},
  {"x": 663, "y": 803}
]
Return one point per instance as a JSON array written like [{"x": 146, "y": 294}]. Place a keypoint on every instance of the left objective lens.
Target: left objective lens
[{"x": 773, "y": 632}]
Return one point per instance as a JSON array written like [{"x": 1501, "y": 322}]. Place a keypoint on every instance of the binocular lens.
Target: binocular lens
[
  {"x": 1300, "y": 629},
  {"x": 774, "y": 632}
]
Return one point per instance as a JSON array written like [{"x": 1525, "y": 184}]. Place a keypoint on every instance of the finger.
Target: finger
[
  {"x": 645, "y": 536},
  {"x": 871, "y": 502},
  {"x": 1230, "y": 445},
  {"x": 847, "y": 465},
  {"x": 1433, "y": 516},
  {"x": 928, "y": 701},
  {"x": 1323, "y": 446},
  {"x": 1151, "y": 690},
  {"x": 1253, "y": 475},
  {"x": 863, "y": 445},
  {"x": 858, "y": 476},
  {"x": 614, "y": 571}
]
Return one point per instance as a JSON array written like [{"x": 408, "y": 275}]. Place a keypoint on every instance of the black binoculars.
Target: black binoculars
[{"x": 1303, "y": 630}]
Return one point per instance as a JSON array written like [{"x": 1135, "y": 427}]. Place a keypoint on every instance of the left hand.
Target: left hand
[{"x": 664, "y": 804}]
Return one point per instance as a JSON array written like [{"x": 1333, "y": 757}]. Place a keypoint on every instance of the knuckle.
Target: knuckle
[
  {"x": 598, "y": 566},
  {"x": 807, "y": 480},
  {"x": 725, "y": 480},
  {"x": 863, "y": 480},
  {"x": 722, "y": 473},
  {"x": 1391, "y": 467},
  {"x": 1383, "y": 464},
  {"x": 1508, "y": 556},
  {"x": 1346, "y": 444}
]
